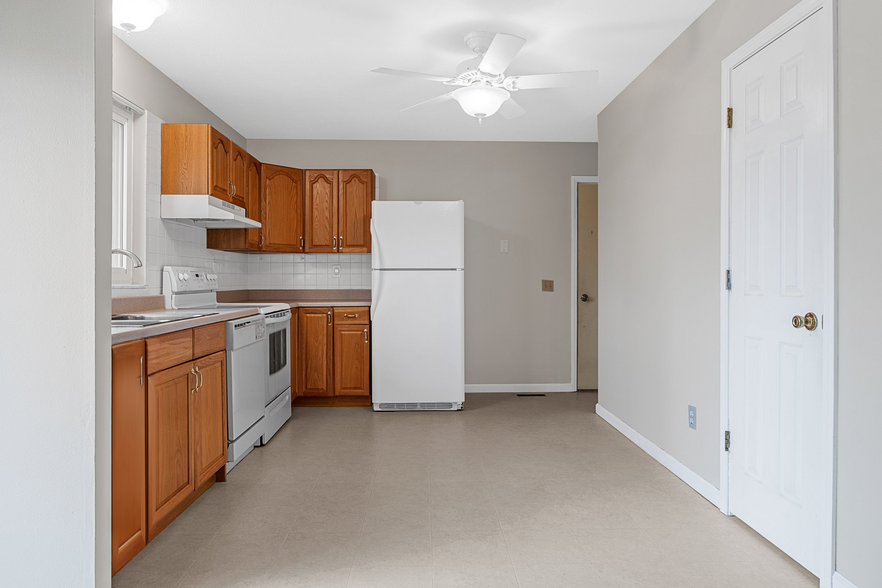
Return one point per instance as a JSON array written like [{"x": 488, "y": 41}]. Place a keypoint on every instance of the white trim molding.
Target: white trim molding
[
  {"x": 839, "y": 581},
  {"x": 574, "y": 276},
  {"x": 694, "y": 481},
  {"x": 518, "y": 388},
  {"x": 799, "y": 13}
]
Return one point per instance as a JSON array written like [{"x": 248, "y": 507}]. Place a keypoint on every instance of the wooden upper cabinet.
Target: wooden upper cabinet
[
  {"x": 196, "y": 159},
  {"x": 220, "y": 153},
  {"x": 129, "y": 453},
  {"x": 316, "y": 365},
  {"x": 356, "y": 194},
  {"x": 320, "y": 206},
  {"x": 238, "y": 176},
  {"x": 352, "y": 360},
  {"x": 169, "y": 444},
  {"x": 282, "y": 209},
  {"x": 209, "y": 416},
  {"x": 252, "y": 202}
]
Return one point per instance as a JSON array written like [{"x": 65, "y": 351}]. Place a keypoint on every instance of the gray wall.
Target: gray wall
[
  {"x": 55, "y": 366},
  {"x": 138, "y": 80},
  {"x": 660, "y": 237},
  {"x": 517, "y": 191},
  {"x": 859, "y": 517}
]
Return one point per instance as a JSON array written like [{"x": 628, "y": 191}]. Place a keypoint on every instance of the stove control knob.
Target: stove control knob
[
  {"x": 186, "y": 277},
  {"x": 180, "y": 275}
]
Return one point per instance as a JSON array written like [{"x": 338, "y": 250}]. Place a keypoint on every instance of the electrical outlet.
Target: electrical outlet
[
  {"x": 336, "y": 271},
  {"x": 691, "y": 417},
  {"x": 503, "y": 246},
  {"x": 548, "y": 285}
]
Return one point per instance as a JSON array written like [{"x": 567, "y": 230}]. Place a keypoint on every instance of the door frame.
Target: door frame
[
  {"x": 788, "y": 21},
  {"x": 574, "y": 275}
]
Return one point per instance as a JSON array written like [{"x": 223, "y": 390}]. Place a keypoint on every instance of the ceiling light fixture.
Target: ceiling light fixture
[
  {"x": 134, "y": 16},
  {"x": 480, "y": 100}
]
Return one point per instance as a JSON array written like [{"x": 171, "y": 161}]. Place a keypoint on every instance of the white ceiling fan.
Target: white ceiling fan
[{"x": 486, "y": 89}]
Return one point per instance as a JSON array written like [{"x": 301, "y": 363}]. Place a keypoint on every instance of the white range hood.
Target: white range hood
[{"x": 204, "y": 211}]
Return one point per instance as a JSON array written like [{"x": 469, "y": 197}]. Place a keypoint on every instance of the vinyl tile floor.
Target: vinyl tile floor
[{"x": 511, "y": 492}]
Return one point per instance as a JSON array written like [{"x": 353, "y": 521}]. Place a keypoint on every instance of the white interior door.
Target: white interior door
[{"x": 777, "y": 229}]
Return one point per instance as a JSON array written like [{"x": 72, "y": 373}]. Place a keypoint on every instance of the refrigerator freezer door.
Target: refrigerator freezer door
[
  {"x": 418, "y": 337},
  {"x": 417, "y": 235}
]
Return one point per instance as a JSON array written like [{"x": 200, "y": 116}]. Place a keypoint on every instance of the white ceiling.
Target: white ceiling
[{"x": 300, "y": 69}]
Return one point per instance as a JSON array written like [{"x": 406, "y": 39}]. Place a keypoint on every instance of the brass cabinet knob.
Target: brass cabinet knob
[{"x": 809, "y": 321}]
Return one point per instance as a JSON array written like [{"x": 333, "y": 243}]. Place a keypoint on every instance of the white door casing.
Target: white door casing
[{"x": 778, "y": 216}]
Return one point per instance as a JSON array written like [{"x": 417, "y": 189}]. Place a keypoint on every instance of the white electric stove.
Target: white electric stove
[{"x": 196, "y": 288}]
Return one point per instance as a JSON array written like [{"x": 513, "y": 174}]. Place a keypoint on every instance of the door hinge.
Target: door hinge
[
  {"x": 728, "y": 440},
  {"x": 729, "y": 116},
  {"x": 728, "y": 279}
]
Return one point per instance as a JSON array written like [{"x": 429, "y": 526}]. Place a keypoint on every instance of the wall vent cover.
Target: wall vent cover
[
  {"x": 530, "y": 395},
  {"x": 417, "y": 406}
]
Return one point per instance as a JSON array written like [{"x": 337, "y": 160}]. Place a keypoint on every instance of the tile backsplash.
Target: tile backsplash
[{"x": 171, "y": 243}]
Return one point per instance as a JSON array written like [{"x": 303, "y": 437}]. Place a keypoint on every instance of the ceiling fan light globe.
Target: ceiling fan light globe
[
  {"x": 480, "y": 101},
  {"x": 136, "y": 15}
]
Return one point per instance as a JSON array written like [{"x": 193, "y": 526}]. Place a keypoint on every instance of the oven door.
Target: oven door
[{"x": 278, "y": 328}]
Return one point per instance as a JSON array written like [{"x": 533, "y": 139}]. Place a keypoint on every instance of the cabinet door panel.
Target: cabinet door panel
[
  {"x": 356, "y": 194},
  {"x": 295, "y": 354},
  {"x": 282, "y": 208},
  {"x": 238, "y": 175},
  {"x": 352, "y": 360},
  {"x": 210, "y": 416},
  {"x": 320, "y": 204},
  {"x": 169, "y": 442},
  {"x": 219, "y": 153},
  {"x": 316, "y": 352},
  {"x": 129, "y": 457},
  {"x": 252, "y": 201}
]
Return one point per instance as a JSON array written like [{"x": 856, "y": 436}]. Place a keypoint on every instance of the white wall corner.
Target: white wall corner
[
  {"x": 489, "y": 388},
  {"x": 839, "y": 581},
  {"x": 695, "y": 481}
]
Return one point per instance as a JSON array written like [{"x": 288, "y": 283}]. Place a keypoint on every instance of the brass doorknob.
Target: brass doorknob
[
  {"x": 809, "y": 321},
  {"x": 583, "y": 298}
]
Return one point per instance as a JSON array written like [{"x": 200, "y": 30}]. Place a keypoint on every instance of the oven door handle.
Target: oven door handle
[{"x": 280, "y": 319}]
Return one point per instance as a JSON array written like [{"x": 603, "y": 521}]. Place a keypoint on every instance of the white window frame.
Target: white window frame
[{"x": 133, "y": 216}]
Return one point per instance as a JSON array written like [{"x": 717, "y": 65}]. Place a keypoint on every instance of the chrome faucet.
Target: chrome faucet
[{"x": 128, "y": 254}]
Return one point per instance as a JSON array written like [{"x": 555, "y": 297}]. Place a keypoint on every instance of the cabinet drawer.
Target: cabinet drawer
[
  {"x": 209, "y": 339},
  {"x": 351, "y": 315},
  {"x": 169, "y": 350}
]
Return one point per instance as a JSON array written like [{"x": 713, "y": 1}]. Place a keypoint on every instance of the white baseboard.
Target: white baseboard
[
  {"x": 695, "y": 481},
  {"x": 840, "y": 582},
  {"x": 479, "y": 388}
]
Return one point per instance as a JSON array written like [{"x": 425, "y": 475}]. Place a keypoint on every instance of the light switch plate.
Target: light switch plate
[
  {"x": 548, "y": 285},
  {"x": 503, "y": 246},
  {"x": 692, "y": 412}
]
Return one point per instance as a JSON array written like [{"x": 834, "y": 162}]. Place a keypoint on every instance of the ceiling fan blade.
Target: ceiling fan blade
[
  {"x": 511, "y": 109},
  {"x": 410, "y": 74},
  {"x": 573, "y": 79},
  {"x": 501, "y": 53},
  {"x": 436, "y": 100}
]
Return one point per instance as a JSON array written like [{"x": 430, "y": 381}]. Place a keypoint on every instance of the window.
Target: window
[{"x": 127, "y": 205}]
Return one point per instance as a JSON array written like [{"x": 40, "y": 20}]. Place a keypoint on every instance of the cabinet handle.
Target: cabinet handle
[
  {"x": 200, "y": 377},
  {"x": 350, "y": 316},
  {"x": 341, "y": 241},
  {"x": 301, "y": 242},
  {"x": 230, "y": 183},
  {"x": 335, "y": 244},
  {"x": 365, "y": 335},
  {"x": 234, "y": 189},
  {"x": 329, "y": 317},
  {"x": 141, "y": 373},
  {"x": 193, "y": 373}
]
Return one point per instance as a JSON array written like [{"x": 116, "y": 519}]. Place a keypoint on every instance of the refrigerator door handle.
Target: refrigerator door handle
[
  {"x": 375, "y": 248},
  {"x": 375, "y": 292}
]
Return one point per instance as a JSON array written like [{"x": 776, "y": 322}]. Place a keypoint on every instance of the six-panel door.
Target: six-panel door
[
  {"x": 209, "y": 416},
  {"x": 282, "y": 209},
  {"x": 219, "y": 153},
  {"x": 316, "y": 377},
  {"x": 128, "y": 461},
  {"x": 320, "y": 202},
  {"x": 352, "y": 360},
  {"x": 169, "y": 442},
  {"x": 356, "y": 194}
]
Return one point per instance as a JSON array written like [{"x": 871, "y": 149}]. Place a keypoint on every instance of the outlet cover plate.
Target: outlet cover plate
[
  {"x": 548, "y": 285},
  {"x": 692, "y": 419}
]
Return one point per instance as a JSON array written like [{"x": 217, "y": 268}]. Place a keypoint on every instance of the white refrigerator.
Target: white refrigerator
[{"x": 418, "y": 305}]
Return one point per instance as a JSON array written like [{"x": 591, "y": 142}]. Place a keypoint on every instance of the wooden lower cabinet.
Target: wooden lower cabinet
[
  {"x": 128, "y": 461},
  {"x": 316, "y": 337},
  {"x": 210, "y": 416},
  {"x": 170, "y": 471},
  {"x": 352, "y": 360}
]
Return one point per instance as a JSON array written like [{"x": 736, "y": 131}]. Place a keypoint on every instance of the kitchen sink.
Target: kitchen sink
[{"x": 153, "y": 318}]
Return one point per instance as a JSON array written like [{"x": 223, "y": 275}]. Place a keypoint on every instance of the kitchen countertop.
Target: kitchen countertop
[{"x": 125, "y": 334}]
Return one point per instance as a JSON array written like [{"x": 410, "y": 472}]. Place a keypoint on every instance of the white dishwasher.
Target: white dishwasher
[{"x": 247, "y": 358}]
